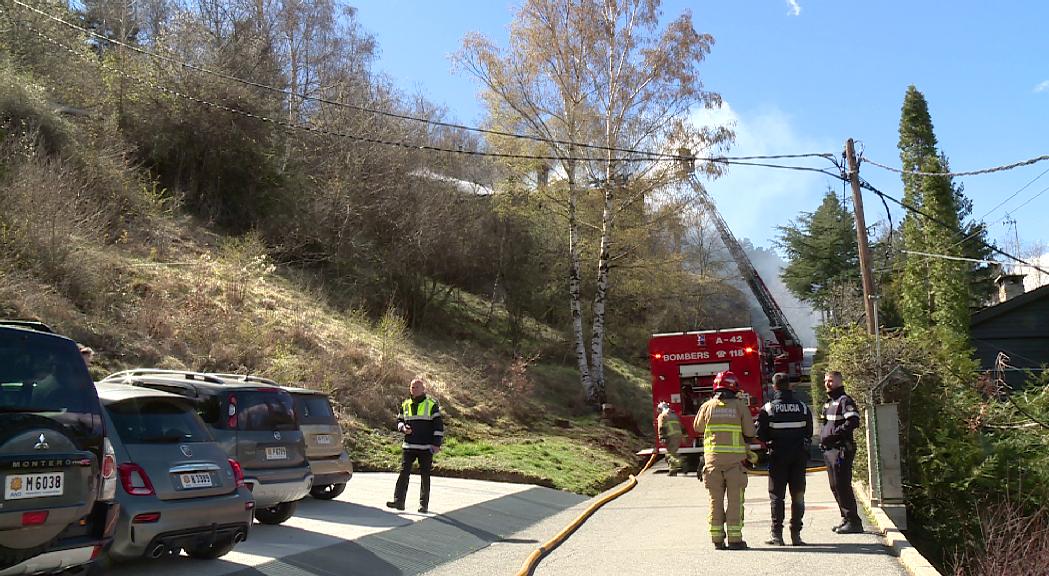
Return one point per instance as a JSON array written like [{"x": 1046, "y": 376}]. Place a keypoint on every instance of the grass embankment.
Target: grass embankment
[{"x": 206, "y": 302}]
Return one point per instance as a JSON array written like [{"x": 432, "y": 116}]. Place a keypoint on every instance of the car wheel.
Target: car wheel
[
  {"x": 328, "y": 491},
  {"x": 277, "y": 514},
  {"x": 220, "y": 548}
]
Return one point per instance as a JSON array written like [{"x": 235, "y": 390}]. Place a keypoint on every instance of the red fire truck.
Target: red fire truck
[{"x": 684, "y": 365}]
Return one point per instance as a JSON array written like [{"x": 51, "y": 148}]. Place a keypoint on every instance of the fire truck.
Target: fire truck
[{"x": 684, "y": 363}]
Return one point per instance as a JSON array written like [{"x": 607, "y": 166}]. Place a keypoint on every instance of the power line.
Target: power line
[
  {"x": 947, "y": 257},
  {"x": 952, "y": 174},
  {"x": 365, "y": 139},
  {"x": 646, "y": 153},
  {"x": 867, "y": 186},
  {"x": 1014, "y": 194}
]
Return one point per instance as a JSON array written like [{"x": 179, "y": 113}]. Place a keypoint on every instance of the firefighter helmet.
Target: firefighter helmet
[{"x": 727, "y": 381}]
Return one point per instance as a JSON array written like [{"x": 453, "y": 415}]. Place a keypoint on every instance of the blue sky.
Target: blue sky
[{"x": 804, "y": 75}]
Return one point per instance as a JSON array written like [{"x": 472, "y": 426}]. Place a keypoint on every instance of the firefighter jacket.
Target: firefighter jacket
[
  {"x": 785, "y": 423},
  {"x": 424, "y": 416},
  {"x": 669, "y": 425},
  {"x": 840, "y": 418},
  {"x": 725, "y": 424}
]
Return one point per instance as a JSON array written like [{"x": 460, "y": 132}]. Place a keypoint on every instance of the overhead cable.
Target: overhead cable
[
  {"x": 867, "y": 186},
  {"x": 647, "y": 154},
  {"x": 952, "y": 174},
  {"x": 365, "y": 139}
]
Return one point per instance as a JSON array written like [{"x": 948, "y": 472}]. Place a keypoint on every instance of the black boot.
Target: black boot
[
  {"x": 851, "y": 527},
  {"x": 395, "y": 504},
  {"x": 795, "y": 538},
  {"x": 776, "y": 538}
]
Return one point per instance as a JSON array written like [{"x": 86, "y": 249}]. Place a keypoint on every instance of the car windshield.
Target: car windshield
[
  {"x": 156, "y": 421},
  {"x": 313, "y": 409},
  {"x": 266, "y": 410},
  {"x": 41, "y": 373}
]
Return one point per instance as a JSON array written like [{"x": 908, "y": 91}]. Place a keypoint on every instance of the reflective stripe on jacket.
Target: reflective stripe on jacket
[
  {"x": 725, "y": 424},
  {"x": 841, "y": 417},
  {"x": 424, "y": 416},
  {"x": 785, "y": 423}
]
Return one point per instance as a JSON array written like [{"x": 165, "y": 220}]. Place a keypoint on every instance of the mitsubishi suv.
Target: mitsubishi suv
[
  {"x": 254, "y": 423},
  {"x": 57, "y": 468}
]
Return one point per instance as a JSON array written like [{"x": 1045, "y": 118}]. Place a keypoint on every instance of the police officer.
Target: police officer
[
  {"x": 423, "y": 428},
  {"x": 785, "y": 425},
  {"x": 840, "y": 418},
  {"x": 669, "y": 427},
  {"x": 724, "y": 422}
]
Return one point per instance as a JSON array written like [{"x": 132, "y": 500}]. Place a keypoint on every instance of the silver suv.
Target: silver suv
[
  {"x": 179, "y": 490},
  {"x": 57, "y": 473},
  {"x": 254, "y": 423}
]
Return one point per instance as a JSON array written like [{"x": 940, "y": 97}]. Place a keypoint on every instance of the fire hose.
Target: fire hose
[{"x": 551, "y": 544}]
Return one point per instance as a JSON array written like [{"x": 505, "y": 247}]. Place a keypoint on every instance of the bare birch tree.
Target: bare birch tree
[{"x": 608, "y": 75}]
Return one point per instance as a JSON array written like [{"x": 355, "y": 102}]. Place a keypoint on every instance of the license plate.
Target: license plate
[
  {"x": 276, "y": 453},
  {"x": 196, "y": 480},
  {"x": 323, "y": 439},
  {"x": 19, "y": 486}
]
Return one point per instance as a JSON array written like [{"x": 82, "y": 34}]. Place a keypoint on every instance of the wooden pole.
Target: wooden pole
[{"x": 861, "y": 237}]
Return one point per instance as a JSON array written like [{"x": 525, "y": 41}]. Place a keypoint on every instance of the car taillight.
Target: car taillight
[
  {"x": 108, "y": 489},
  {"x": 135, "y": 480},
  {"x": 147, "y": 518},
  {"x": 238, "y": 472},
  {"x": 34, "y": 518}
]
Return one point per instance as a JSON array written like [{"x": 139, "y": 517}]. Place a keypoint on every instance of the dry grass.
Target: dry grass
[{"x": 1015, "y": 542}]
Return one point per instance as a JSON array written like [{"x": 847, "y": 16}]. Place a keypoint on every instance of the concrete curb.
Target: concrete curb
[{"x": 912, "y": 560}]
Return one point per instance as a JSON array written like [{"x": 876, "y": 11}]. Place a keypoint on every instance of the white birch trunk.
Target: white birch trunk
[
  {"x": 574, "y": 284},
  {"x": 597, "y": 343}
]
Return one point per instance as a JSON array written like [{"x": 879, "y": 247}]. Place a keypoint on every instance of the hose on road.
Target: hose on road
[{"x": 551, "y": 544}]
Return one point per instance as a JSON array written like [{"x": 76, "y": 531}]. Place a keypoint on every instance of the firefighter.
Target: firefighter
[
  {"x": 725, "y": 424},
  {"x": 785, "y": 425},
  {"x": 840, "y": 417},
  {"x": 670, "y": 433}
]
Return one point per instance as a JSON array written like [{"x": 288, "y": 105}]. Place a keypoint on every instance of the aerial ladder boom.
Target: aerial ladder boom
[{"x": 789, "y": 355}]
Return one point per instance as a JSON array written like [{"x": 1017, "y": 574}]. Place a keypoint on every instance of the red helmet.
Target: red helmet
[{"x": 726, "y": 380}]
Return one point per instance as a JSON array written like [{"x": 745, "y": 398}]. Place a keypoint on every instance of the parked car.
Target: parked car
[
  {"x": 328, "y": 459},
  {"x": 178, "y": 488},
  {"x": 254, "y": 423},
  {"x": 57, "y": 503}
]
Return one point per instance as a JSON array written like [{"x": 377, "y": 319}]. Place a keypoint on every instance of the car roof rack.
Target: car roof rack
[
  {"x": 245, "y": 378},
  {"x": 173, "y": 374},
  {"x": 31, "y": 324}
]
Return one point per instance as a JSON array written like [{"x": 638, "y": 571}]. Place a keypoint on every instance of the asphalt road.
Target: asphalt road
[
  {"x": 660, "y": 527},
  {"x": 489, "y": 529}
]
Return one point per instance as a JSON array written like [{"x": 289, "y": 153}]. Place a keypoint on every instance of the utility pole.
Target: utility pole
[{"x": 861, "y": 237}]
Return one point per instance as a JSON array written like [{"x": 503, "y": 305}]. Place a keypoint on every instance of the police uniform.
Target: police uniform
[
  {"x": 670, "y": 433},
  {"x": 841, "y": 417},
  {"x": 785, "y": 425},
  {"x": 724, "y": 423},
  {"x": 423, "y": 414}
]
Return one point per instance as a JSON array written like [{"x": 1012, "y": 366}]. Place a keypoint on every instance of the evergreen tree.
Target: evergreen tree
[
  {"x": 822, "y": 257},
  {"x": 934, "y": 292}
]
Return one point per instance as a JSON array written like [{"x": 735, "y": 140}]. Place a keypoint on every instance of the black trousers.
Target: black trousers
[
  {"x": 408, "y": 458},
  {"x": 839, "y": 472},
  {"x": 787, "y": 468}
]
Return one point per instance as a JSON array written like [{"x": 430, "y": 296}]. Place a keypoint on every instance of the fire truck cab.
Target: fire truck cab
[{"x": 683, "y": 368}]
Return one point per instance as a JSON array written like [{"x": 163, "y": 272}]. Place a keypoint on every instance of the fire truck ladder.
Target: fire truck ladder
[{"x": 781, "y": 328}]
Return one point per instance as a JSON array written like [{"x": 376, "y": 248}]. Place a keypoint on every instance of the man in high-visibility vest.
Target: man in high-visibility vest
[
  {"x": 423, "y": 428},
  {"x": 725, "y": 424},
  {"x": 669, "y": 427}
]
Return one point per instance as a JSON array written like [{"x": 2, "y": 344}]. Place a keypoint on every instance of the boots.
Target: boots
[
  {"x": 395, "y": 504},
  {"x": 795, "y": 538},
  {"x": 851, "y": 527},
  {"x": 776, "y": 538}
]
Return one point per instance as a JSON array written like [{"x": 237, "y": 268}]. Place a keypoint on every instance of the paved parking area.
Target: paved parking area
[{"x": 357, "y": 535}]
